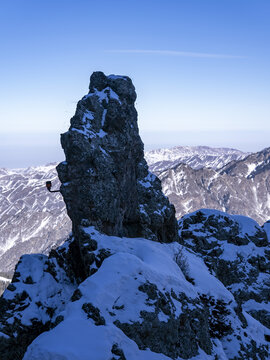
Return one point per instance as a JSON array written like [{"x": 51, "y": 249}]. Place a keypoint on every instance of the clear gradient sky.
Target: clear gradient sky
[{"x": 201, "y": 69}]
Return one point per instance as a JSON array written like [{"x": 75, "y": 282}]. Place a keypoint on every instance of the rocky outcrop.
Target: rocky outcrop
[
  {"x": 237, "y": 251},
  {"x": 105, "y": 179}
]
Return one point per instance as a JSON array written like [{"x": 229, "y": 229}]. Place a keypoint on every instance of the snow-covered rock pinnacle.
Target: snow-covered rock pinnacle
[{"x": 105, "y": 178}]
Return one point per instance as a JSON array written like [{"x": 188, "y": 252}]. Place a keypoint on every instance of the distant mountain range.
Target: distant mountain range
[
  {"x": 240, "y": 187},
  {"x": 196, "y": 157},
  {"x": 33, "y": 220}
]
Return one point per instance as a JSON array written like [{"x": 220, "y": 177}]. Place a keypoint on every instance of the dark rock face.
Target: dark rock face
[{"x": 105, "y": 179}]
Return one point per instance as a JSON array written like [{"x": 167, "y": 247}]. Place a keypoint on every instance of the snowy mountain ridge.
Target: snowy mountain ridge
[
  {"x": 239, "y": 187},
  {"x": 195, "y": 156},
  {"x": 29, "y": 213}
]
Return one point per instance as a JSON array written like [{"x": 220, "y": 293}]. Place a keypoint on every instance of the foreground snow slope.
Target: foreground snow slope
[{"x": 140, "y": 287}]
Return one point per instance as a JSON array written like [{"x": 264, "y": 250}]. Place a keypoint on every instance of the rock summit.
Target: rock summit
[{"x": 105, "y": 178}]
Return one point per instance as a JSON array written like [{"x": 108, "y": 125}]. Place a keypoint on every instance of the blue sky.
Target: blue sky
[{"x": 200, "y": 68}]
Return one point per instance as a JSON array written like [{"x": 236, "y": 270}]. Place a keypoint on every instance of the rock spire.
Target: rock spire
[{"x": 105, "y": 178}]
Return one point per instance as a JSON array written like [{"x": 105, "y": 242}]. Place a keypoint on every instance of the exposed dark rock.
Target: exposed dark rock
[
  {"x": 21, "y": 332},
  {"x": 29, "y": 280},
  {"x": 93, "y": 313},
  {"x": 252, "y": 351},
  {"x": 76, "y": 295},
  {"x": 262, "y": 316},
  {"x": 105, "y": 179},
  {"x": 14, "y": 347},
  {"x": 218, "y": 323},
  {"x": 118, "y": 352}
]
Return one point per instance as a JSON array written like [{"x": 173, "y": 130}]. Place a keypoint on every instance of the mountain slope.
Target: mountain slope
[
  {"x": 195, "y": 156},
  {"x": 145, "y": 300},
  {"x": 240, "y": 187},
  {"x": 29, "y": 214},
  {"x": 140, "y": 293},
  {"x": 32, "y": 220}
]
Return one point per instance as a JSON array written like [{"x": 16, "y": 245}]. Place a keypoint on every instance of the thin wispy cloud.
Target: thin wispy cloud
[{"x": 176, "y": 53}]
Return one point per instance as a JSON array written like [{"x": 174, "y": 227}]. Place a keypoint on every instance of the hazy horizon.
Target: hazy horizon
[{"x": 34, "y": 149}]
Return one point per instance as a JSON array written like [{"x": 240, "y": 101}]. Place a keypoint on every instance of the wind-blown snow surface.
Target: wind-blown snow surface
[{"x": 115, "y": 291}]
